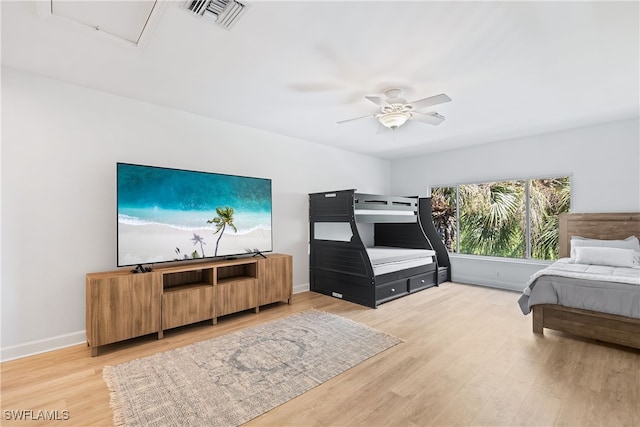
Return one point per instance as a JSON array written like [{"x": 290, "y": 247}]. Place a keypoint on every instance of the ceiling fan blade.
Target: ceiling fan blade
[
  {"x": 357, "y": 118},
  {"x": 430, "y": 118},
  {"x": 432, "y": 100},
  {"x": 378, "y": 101}
]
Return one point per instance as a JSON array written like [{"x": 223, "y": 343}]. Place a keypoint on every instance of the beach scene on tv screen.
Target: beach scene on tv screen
[{"x": 170, "y": 214}]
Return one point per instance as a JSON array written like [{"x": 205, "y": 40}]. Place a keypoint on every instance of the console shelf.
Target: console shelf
[
  {"x": 123, "y": 305},
  {"x": 234, "y": 279},
  {"x": 185, "y": 287}
]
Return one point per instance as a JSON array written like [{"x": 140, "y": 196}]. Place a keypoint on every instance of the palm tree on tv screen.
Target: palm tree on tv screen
[
  {"x": 224, "y": 218},
  {"x": 198, "y": 239}
]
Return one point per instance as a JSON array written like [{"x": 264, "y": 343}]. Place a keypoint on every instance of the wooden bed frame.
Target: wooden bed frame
[{"x": 590, "y": 324}]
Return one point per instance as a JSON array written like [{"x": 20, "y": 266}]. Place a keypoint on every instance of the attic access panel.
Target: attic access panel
[{"x": 124, "y": 19}]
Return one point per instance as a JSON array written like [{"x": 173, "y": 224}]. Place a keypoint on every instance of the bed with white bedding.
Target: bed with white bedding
[{"x": 594, "y": 290}]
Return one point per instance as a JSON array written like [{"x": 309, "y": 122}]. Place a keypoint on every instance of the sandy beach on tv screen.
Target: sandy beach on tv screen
[{"x": 140, "y": 243}]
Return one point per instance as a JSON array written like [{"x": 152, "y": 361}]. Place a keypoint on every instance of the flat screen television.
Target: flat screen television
[{"x": 169, "y": 214}]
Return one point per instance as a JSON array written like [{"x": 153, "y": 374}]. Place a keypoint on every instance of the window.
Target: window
[{"x": 513, "y": 218}]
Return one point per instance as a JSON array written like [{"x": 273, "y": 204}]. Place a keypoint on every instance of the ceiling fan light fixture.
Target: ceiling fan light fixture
[
  {"x": 394, "y": 120},
  {"x": 395, "y": 111}
]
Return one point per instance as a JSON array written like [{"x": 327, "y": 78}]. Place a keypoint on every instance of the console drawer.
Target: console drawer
[
  {"x": 391, "y": 290},
  {"x": 187, "y": 305}
]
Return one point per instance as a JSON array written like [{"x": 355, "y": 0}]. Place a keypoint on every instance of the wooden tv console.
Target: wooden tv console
[{"x": 123, "y": 305}]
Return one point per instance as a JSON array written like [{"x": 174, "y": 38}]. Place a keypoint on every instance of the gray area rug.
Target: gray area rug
[{"x": 231, "y": 379}]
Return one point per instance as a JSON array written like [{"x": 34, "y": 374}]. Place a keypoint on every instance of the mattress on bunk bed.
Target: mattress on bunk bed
[{"x": 387, "y": 259}]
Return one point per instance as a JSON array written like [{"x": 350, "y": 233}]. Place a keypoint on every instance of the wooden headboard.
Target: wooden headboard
[{"x": 596, "y": 226}]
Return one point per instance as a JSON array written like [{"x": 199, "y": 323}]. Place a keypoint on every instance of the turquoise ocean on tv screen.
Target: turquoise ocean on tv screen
[{"x": 185, "y": 200}]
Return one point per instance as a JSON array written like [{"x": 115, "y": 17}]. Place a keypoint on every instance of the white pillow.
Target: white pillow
[
  {"x": 630, "y": 242},
  {"x": 614, "y": 257},
  {"x": 636, "y": 258}
]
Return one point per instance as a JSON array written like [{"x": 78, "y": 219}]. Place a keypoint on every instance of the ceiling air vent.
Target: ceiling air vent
[{"x": 223, "y": 12}]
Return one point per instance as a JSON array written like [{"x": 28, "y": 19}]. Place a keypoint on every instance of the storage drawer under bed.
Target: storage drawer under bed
[
  {"x": 391, "y": 290},
  {"x": 422, "y": 281}
]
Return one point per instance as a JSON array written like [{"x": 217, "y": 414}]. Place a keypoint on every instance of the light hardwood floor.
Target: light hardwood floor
[{"x": 469, "y": 358}]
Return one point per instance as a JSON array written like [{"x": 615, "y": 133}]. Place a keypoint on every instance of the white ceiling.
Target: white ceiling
[{"x": 297, "y": 67}]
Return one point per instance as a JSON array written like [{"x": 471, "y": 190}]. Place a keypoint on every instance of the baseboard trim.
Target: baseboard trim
[
  {"x": 42, "y": 346},
  {"x": 303, "y": 287},
  {"x": 490, "y": 283}
]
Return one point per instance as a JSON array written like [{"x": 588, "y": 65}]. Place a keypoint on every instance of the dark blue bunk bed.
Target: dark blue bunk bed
[{"x": 370, "y": 249}]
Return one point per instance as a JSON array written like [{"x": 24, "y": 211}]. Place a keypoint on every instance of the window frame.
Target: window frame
[{"x": 527, "y": 231}]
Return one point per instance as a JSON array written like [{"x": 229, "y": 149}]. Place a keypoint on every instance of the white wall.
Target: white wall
[
  {"x": 603, "y": 161},
  {"x": 60, "y": 144}
]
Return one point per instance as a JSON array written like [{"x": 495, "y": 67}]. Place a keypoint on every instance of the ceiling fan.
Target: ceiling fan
[{"x": 395, "y": 111}]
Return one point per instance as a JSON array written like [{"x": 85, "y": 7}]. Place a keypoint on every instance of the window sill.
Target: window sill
[{"x": 501, "y": 259}]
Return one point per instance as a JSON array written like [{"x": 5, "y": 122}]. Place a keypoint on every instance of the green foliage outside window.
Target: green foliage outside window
[
  {"x": 491, "y": 218},
  {"x": 443, "y": 208}
]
